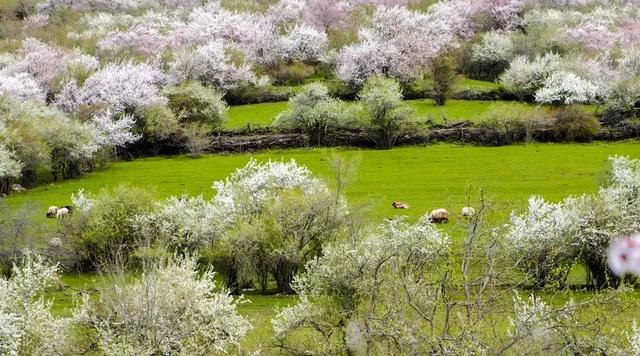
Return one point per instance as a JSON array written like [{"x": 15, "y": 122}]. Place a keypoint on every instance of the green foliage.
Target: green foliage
[
  {"x": 159, "y": 122},
  {"x": 574, "y": 124},
  {"x": 314, "y": 112},
  {"x": 384, "y": 112},
  {"x": 443, "y": 72},
  {"x": 193, "y": 102},
  {"x": 104, "y": 229},
  {"x": 291, "y": 74}
]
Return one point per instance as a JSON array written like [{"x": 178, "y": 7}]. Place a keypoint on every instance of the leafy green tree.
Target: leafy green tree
[
  {"x": 314, "y": 112},
  {"x": 385, "y": 114},
  {"x": 444, "y": 74}
]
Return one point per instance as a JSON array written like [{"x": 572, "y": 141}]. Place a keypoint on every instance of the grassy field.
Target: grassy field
[
  {"x": 263, "y": 114},
  {"x": 426, "y": 177}
]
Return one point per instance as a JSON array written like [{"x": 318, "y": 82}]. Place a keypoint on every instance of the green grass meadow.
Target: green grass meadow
[
  {"x": 426, "y": 177},
  {"x": 262, "y": 115}
]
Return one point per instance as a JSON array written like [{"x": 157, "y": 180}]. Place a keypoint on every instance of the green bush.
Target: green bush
[
  {"x": 193, "y": 102},
  {"x": 102, "y": 230},
  {"x": 312, "y": 111},
  {"x": 575, "y": 124},
  {"x": 385, "y": 114},
  {"x": 444, "y": 75},
  {"x": 291, "y": 74},
  {"x": 158, "y": 122}
]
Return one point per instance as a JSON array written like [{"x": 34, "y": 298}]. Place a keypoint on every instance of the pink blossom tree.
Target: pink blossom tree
[
  {"x": 390, "y": 46},
  {"x": 325, "y": 14}
]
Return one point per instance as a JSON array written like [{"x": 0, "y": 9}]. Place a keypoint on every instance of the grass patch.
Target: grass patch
[
  {"x": 426, "y": 177},
  {"x": 262, "y": 115}
]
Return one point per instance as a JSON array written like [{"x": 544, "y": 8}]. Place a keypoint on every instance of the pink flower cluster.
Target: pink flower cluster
[{"x": 624, "y": 255}]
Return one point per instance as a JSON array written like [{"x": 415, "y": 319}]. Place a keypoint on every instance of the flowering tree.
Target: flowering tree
[
  {"x": 304, "y": 44},
  {"x": 138, "y": 40},
  {"x": 368, "y": 291},
  {"x": 525, "y": 77},
  {"x": 184, "y": 223},
  {"x": 172, "y": 308},
  {"x": 593, "y": 36},
  {"x": 43, "y": 62},
  {"x": 21, "y": 86},
  {"x": 325, "y": 14},
  {"x": 580, "y": 228},
  {"x": 27, "y": 325},
  {"x": 117, "y": 88},
  {"x": 211, "y": 65},
  {"x": 246, "y": 191},
  {"x": 568, "y": 88},
  {"x": 390, "y": 46},
  {"x": 492, "y": 54},
  {"x": 539, "y": 240},
  {"x": 114, "y": 132}
]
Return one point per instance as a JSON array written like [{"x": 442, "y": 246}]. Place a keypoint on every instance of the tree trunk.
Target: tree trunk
[{"x": 283, "y": 274}]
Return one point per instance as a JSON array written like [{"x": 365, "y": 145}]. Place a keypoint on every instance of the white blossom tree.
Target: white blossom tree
[
  {"x": 28, "y": 327},
  {"x": 361, "y": 294},
  {"x": 114, "y": 132},
  {"x": 21, "y": 86},
  {"x": 305, "y": 44},
  {"x": 211, "y": 65},
  {"x": 568, "y": 88},
  {"x": 172, "y": 308},
  {"x": 390, "y": 46},
  {"x": 117, "y": 88},
  {"x": 247, "y": 189}
]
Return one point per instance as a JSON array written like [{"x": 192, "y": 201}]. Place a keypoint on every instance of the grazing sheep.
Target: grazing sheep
[
  {"x": 439, "y": 216},
  {"x": 55, "y": 242},
  {"x": 17, "y": 188},
  {"x": 400, "y": 205},
  {"x": 51, "y": 212},
  {"x": 62, "y": 212},
  {"x": 468, "y": 212}
]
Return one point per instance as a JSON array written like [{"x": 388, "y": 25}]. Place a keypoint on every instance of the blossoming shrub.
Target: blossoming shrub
[
  {"x": 103, "y": 227},
  {"x": 361, "y": 292},
  {"x": 578, "y": 229},
  {"x": 27, "y": 326},
  {"x": 172, "y": 308}
]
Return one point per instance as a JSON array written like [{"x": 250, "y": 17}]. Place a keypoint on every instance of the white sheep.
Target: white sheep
[
  {"x": 62, "y": 212},
  {"x": 51, "y": 212},
  {"x": 468, "y": 212},
  {"x": 55, "y": 242},
  {"x": 439, "y": 216}
]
